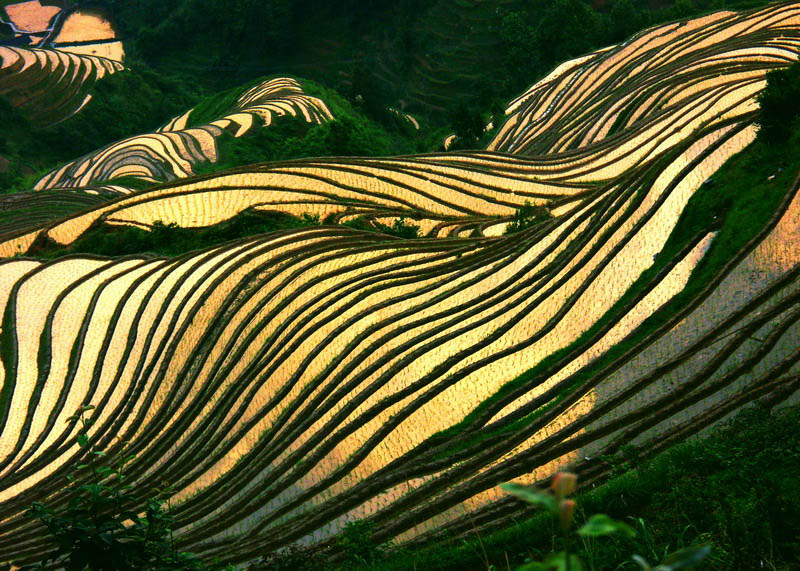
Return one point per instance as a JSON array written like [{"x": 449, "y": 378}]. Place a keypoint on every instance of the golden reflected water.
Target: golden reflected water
[
  {"x": 84, "y": 31},
  {"x": 293, "y": 352},
  {"x": 31, "y": 16}
]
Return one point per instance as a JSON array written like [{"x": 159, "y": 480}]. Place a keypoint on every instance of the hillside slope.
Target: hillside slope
[
  {"x": 288, "y": 383},
  {"x": 175, "y": 149}
]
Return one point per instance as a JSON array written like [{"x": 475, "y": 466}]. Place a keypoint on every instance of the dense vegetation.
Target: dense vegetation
[
  {"x": 733, "y": 490},
  {"x": 172, "y": 240},
  {"x": 99, "y": 530},
  {"x": 350, "y": 46},
  {"x": 181, "y": 51},
  {"x": 353, "y": 133},
  {"x": 140, "y": 100},
  {"x": 779, "y": 110},
  {"x": 135, "y": 101}
]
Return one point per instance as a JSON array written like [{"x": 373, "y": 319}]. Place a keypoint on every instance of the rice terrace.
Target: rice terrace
[{"x": 318, "y": 278}]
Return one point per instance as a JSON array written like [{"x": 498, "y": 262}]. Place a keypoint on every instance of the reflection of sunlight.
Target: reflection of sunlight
[
  {"x": 174, "y": 150},
  {"x": 80, "y": 27},
  {"x": 108, "y": 50},
  {"x": 31, "y": 16},
  {"x": 330, "y": 374},
  {"x": 83, "y": 26}
]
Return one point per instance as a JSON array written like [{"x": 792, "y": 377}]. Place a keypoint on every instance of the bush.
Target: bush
[
  {"x": 528, "y": 216},
  {"x": 779, "y": 105},
  {"x": 105, "y": 526},
  {"x": 399, "y": 228},
  {"x": 171, "y": 239}
]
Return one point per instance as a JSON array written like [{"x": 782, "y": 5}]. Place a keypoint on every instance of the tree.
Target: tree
[
  {"x": 626, "y": 19},
  {"x": 520, "y": 48},
  {"x": 569, "y": 28},
  {"x": 468, "y": 126},
  {"x": 779, "y": 105}
]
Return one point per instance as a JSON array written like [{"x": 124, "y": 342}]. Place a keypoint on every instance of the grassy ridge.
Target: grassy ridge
[
  {"x": 171, "y": 240},
  {"x": 139, "y": 101},
  {"x": 353, "y": 132},
  {"x": 733, "y": 489}
]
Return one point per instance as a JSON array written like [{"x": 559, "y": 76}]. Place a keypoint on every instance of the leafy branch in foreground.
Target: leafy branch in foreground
[
  {"x": 557, "y": 502},
  {"x": 104, "y": 527}
]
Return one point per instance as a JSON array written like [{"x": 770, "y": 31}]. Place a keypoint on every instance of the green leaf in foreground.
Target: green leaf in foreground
[
  {"x": 530, "y": 495},
  {"x": 685, "y": 558},
  {"x": 601, "y": 525},
  {"x": 555, "y": 562}
]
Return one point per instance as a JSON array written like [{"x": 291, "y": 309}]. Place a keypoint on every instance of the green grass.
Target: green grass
[
  {"x": 218, "y": 105},
  {"x": 400, "y": 228},
  {"x": 734, "y": 489},
  {"x": 123, "y": 104},
  {"x": 352, "y": 133}
]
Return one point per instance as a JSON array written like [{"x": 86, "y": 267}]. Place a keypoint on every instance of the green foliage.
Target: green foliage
[
  {"x": 557, "y": 503},
  {"x": 567, "y": 29},
  {"x": 737, "y": 203},
  {"x": 134, "y": 101},
  {"x": 528, "y": 216},
  {"x": 430, "y": 55},
  {"x": 520, "y": 41},
  {"x": 105, "y": 526},
  {"x": 15, "y": 142},
  {"x": 626, "y": 20},
  {"x": 682, "y": 9},
  {"x": 533, "y": 496},
  {"x": 351, "y": 133},
  {"x": 733, "y": 490},
  {"x": 601, "y": 525},
  {"x": 399, "y": 227},
  {"x": 172, "y": 240},
  {"x": 780, "y": 112},
  {"x": 292, "y": 558},
  {"x": 359, "y": 548},
  {"x": 218, "y": 105},
  {"x": 468, "y": 125},
  {"x": 686, "y": 558}
]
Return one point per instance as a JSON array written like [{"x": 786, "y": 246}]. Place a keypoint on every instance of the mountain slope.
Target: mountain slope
[
  {"x": 50, "y": 85},
  {"x": 288, "y": 383},
  {"x": 175, "y": 149}
]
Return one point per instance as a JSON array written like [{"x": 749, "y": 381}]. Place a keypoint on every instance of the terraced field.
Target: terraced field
[
  {"x": 50, "y": 67},
  {"x": 50, "y": 85},
  {"x": 176, "y": 148},
  {"x": 289, "y": 383},
  {"x": 63, "y": 26}
]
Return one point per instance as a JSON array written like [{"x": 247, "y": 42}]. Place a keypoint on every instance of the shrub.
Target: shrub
[
  {"x": 527, "y": 216},
  {"x": 104, "y": 525},
  {"x": 558, "y": 503},
  {"x": 399, "y": 228},
  {"x": 779, "y": 108}
]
